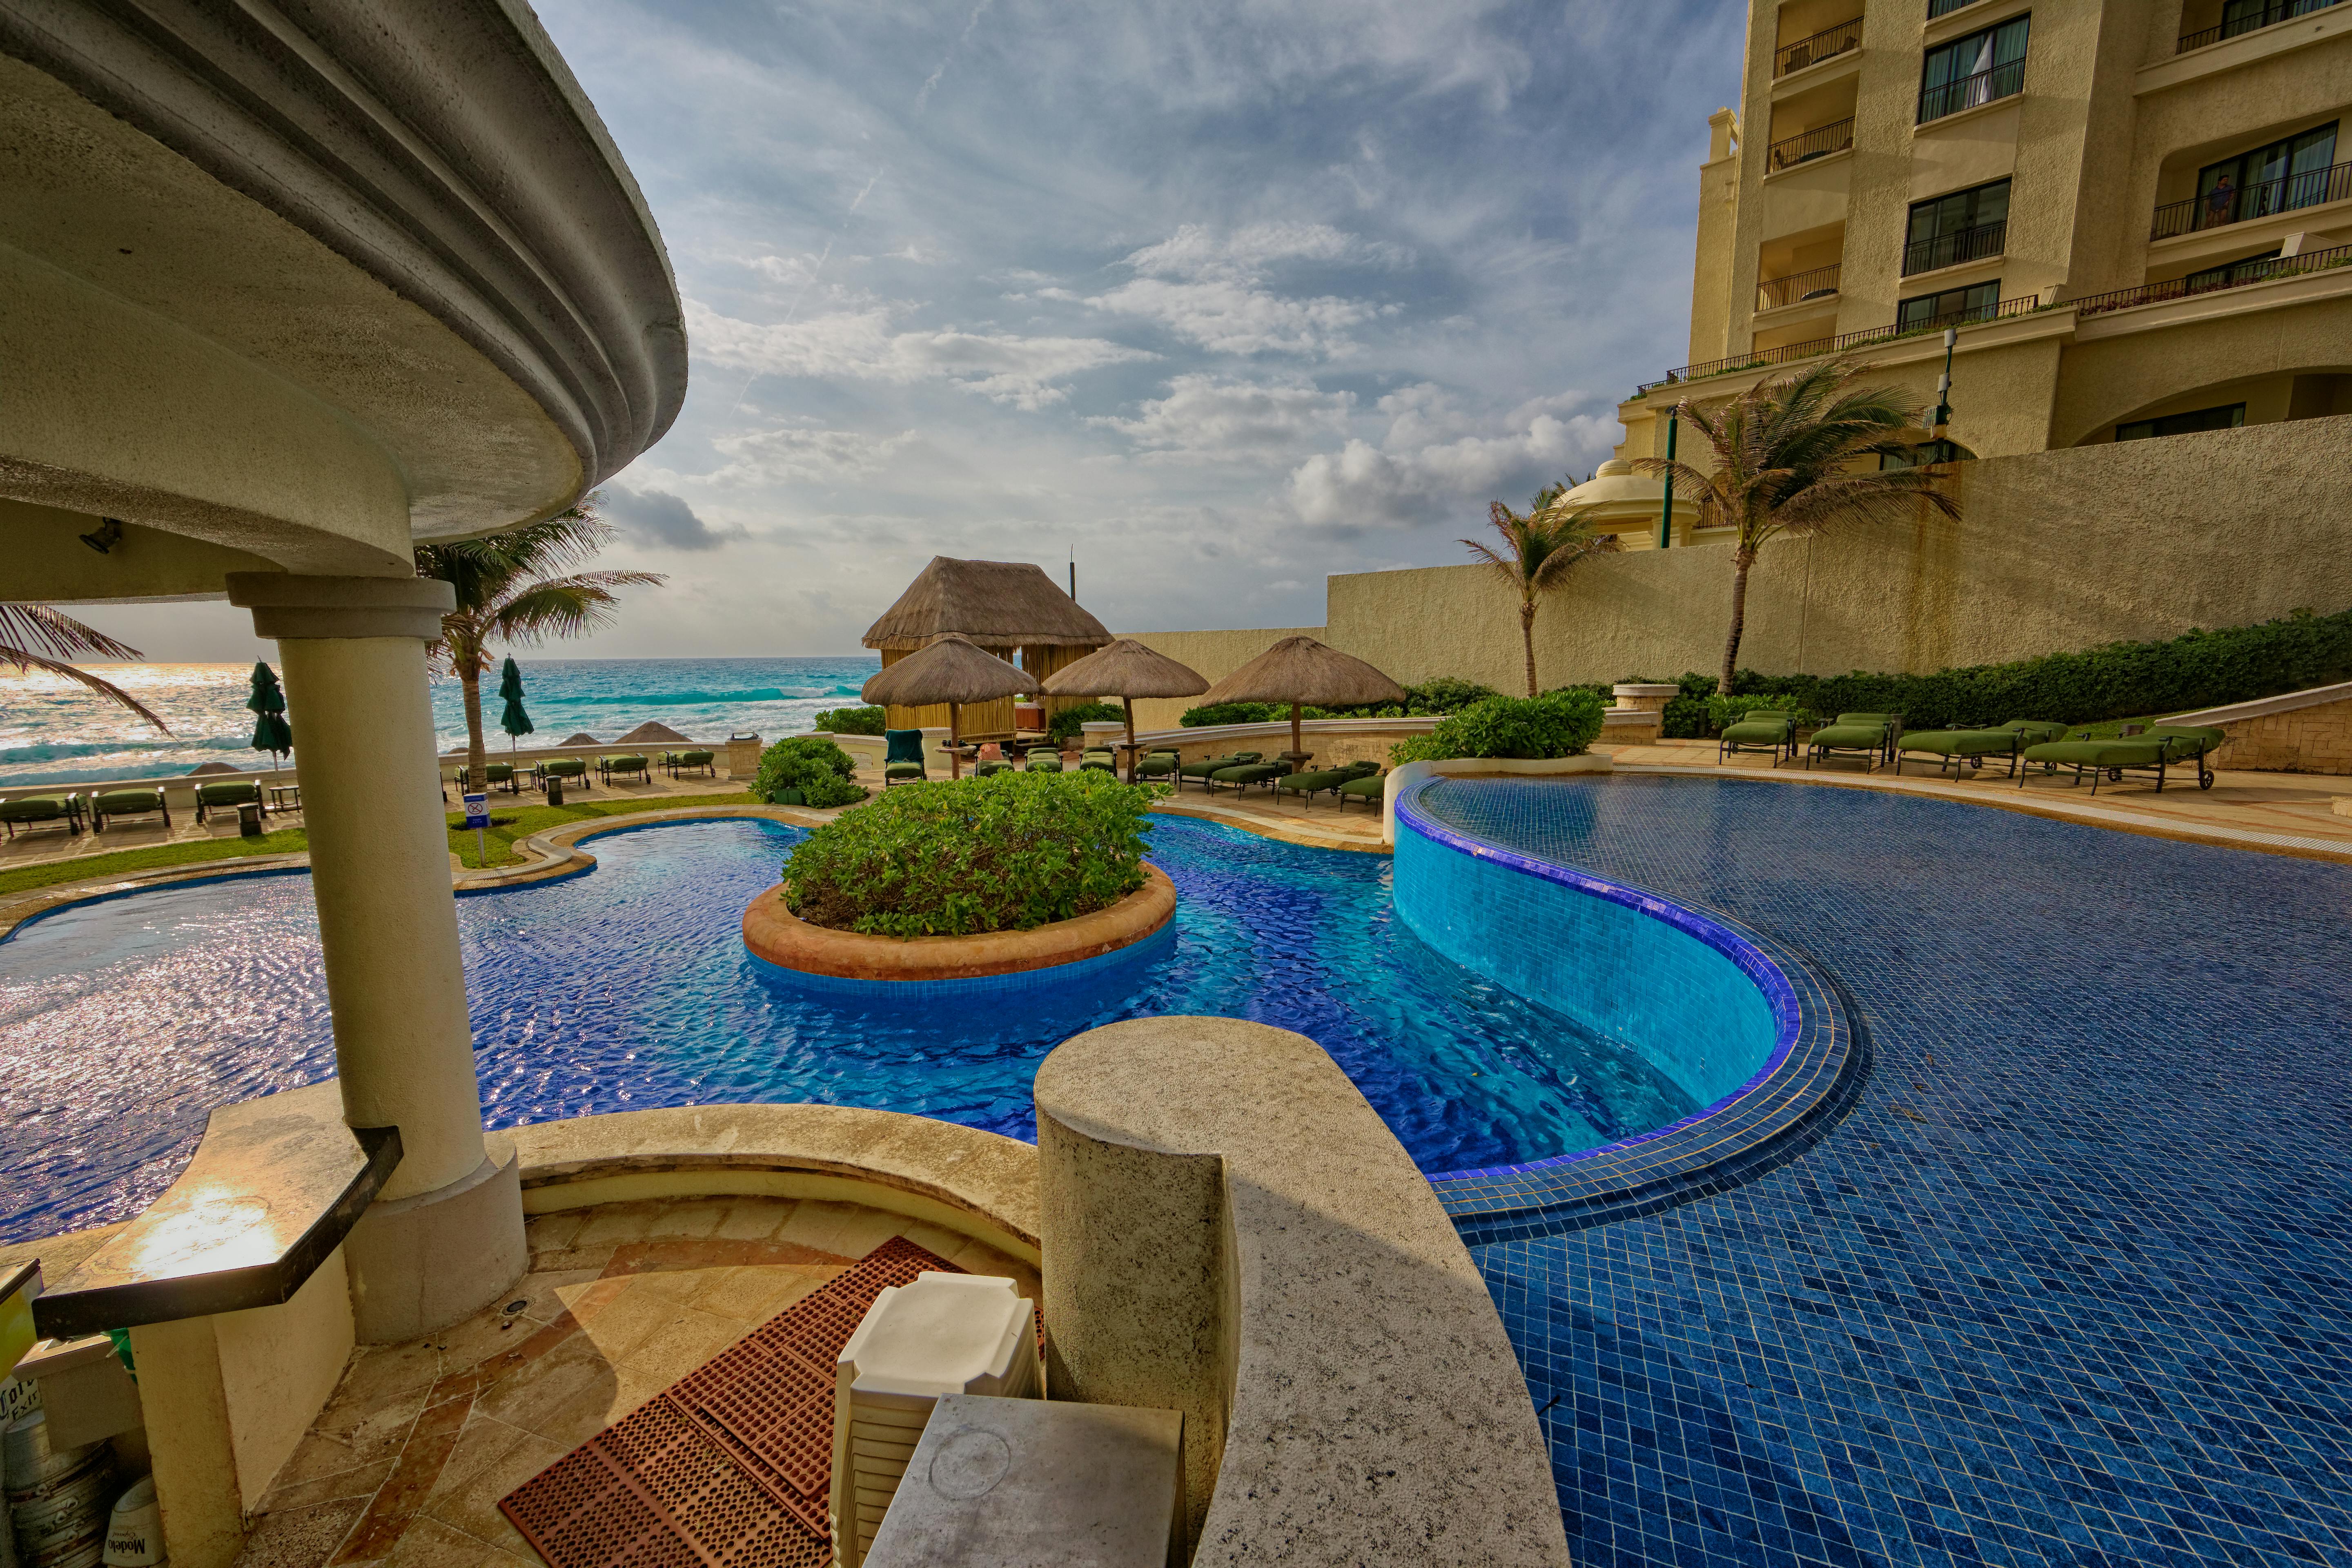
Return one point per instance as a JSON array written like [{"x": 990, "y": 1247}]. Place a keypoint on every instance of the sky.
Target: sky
[{"x": 1222, "y": 297}]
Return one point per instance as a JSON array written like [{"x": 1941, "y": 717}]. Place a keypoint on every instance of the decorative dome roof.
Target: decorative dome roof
[{"x": 1616, "y": 485}]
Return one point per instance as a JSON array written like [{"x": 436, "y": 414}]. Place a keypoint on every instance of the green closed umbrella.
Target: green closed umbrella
[
  {"x": 514, "y": 721},
  {"x": 270, "y": 731}
]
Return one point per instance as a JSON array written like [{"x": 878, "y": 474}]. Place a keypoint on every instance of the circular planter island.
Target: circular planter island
[{"x": 776, "y": 934}]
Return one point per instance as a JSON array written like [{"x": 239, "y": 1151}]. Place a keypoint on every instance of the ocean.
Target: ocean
[{"x": 53, "y": 731}]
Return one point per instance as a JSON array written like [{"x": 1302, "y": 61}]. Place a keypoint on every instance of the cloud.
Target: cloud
[
  {"x": 661, "y": 520},
  {"x": 792, "y": 454},
  {"x": 1434, "y": 459},
  {"x": 863, "y": 344},
  {"x": 1217, "y": 290},
  {"x": 1207, "y": 418}
]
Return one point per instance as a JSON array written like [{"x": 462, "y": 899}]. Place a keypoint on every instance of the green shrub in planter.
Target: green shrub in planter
[
  {"x": 849, "y": 721},
  {"x": 822, "y": 774},
  {"x": 1069, "y": 721},
  {"x": 958, "y": 857},
  {"x": 1561, "y": 723}
]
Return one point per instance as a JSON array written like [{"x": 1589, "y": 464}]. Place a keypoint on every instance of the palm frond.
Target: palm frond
[
  {"x": 24, "y": 660},
  {"x": 563, "y": 606},
  {"x": 52, "y": 631}
]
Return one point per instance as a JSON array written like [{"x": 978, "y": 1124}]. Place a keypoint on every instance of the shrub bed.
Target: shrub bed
[
  {"x": 820, "y": 771},
  {"x": 1062, "y": 726},
  {"x": 1562, "y": 723},
  {"x": 850, "y": 721},
  {"x": 958, "y": 857},
  {"x": 1440, "y": 695}
]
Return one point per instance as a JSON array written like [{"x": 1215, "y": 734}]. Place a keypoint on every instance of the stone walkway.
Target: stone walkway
[{"x": 406, "y": 1463}]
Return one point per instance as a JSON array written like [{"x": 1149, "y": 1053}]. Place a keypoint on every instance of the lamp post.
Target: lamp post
[
  {"x": 1667, "y": 518},
  {"x": 1943, "y": 387}
]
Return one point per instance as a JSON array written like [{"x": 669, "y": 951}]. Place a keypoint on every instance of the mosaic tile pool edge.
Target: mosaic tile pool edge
[{"x": 1816, "y": 1071}]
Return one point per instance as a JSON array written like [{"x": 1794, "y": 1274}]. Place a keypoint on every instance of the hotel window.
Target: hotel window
[
  {"x": 1947, "y": 308},
  {"x": 1976, "y": 70},
  {"x": 1966, "y": 225},
  {"x": 2228, "y": 417},
  {"x": 2293, "y": 172}
]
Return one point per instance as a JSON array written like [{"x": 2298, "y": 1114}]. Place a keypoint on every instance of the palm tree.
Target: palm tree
[
  {"x": 34, "y": 637},
  {"x": 1539, "y": 550},
  {"x": 518, "y": 588},
  {"x": 1785, "y": 462}
]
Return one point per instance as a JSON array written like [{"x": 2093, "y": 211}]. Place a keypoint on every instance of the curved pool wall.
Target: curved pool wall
[{"x": 1705, "y": 1007}]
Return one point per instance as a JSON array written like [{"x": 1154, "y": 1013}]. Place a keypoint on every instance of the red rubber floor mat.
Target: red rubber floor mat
[{"x": 730, "y": 1466}]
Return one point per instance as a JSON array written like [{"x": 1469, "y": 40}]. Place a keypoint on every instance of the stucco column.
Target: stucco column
[{"x": 445, "y": 1236}]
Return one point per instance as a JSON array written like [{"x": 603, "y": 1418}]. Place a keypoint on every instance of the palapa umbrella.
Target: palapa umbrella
[
  {"x": 270, "y": 731},
  {"x": 514, "y": 721},
  {"x": 1127, "y": 670},
  {"x": 952, "y": 670},
  {"x": 1300, "y": 671}
]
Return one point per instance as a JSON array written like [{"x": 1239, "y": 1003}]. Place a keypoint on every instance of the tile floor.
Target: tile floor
[{"x": 406, "y": 1463}]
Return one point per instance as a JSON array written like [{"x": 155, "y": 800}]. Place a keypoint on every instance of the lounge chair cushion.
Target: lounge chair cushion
[
  {"x": 1043, "y": 760},
  {"x": 1314, "y": 783},
  {"x": 1865, "y": 718},
  {"x": 1842, "y": 736},
  {"x": 1760, "y": 728},
  {"x": 1240, "y": 757},
  {"x": 1157, "y": 764},
  {"x": 35, "y": 808},
  {"x": 564, "y": 767},
  {"x": 2136, "y": 752},
  {"x": 2187, "y": 740},
  {"x": 632, "y": 763},
  {"x": 1208, "y": 766},
  {"x": 689, "y": 759},
  {"x": 2036, "y": 730},
  {"x": 240, "y": 793},
  {"x": 992, "y": 765},
  {"x": 902, "y": 770},
  {"x": 1247, "y": 773},
  {"x": 1960, "y": 743},
  {"x": 127, "y": 802},
  {"x": 1368, "y": 785}
]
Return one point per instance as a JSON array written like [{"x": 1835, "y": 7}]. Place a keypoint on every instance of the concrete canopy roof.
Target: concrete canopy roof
[{"x": 301, "y": 287}]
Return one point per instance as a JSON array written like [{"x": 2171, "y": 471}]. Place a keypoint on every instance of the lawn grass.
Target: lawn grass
[
  {"x": 509, "y": 823},
  {"x": 521, "y": 822},
  {"x": 192, "y": 852}
]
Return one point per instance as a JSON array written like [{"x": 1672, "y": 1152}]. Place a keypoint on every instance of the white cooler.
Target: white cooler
[{"x": 945, "y": 1333}]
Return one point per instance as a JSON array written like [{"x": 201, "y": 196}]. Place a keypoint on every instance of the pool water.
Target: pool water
[{"x": 123, "y": 1022}]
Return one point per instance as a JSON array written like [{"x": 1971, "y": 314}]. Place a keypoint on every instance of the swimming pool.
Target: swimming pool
[{"x": 122, "y": 1022}]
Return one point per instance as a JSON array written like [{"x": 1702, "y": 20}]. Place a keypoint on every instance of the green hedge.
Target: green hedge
[
  {"x": 1066, "y": 724},
  {"x": 1557, "y": 724},
  {"x": 2119, "y": 680},
  {"x": 1440, "y": 694},
  {"x": 849, "y": 721},
  {"x": 822, "y": 773},
  {"x": 962, "y": 856}
]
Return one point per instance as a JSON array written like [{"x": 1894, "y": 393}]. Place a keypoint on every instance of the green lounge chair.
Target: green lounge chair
[
  {"x": 633, "y": 763},
  {"x": 1371, "y": 788},
  {"x": 1243, "y": 774},
  {"x": 1100, "y": 759},
  {"x": 1208, "y": 767},
  {"x": 1866, "y": 734},
  {"x": 1159, "y": 764},
  {"x": 228, "y": 795},
  {"x": 1310, "y": 784},
  {"x": 903, "y": 761},
  {"x": 564, "y": 768},
  {"x": 1955, "y": 748},
  {"x": 1042, "y": 760},
  {"x": 493, "y": 775},
  {"x": 678, "y": 762},
  {"x": 1764, "y": 730},
  {"x": 127, "y": 803},
  {"x": 2155, "y": 751},
  {"x": 30, "y": 811}
]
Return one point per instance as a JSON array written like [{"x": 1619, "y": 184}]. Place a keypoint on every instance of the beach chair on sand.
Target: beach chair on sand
[
  {"x": 29, "y": 811},
  {"x": 127, "y": 803},
  {"x": 903, "y": 761}
]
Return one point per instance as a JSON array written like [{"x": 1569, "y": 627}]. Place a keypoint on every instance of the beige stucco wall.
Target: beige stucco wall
[
  {"x": 1214, "y": 655},
  {"x": 2054, "y": 551}
]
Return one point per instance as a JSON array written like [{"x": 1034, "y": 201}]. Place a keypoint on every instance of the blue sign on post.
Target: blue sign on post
[{"x": 478, "y": 811}]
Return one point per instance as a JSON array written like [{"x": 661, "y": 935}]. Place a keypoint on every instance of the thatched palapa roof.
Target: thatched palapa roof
[
  {"x": 995, "y": 603},
  {"x": 952, "y": 670},
  {"x": 1125, "y": 669},
  {"x": 583, "y": 739},
  {"x": 1300, "y": 670},
  {"x": 651, "y": 730}
]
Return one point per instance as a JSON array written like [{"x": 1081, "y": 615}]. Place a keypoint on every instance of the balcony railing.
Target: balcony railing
[
  {"x": 1818, "y": 143},
  {"x": 1984, "y": 87},
  {"x": 1972, "y": 244},
  {"x": 1818, "y": 284},
  {"x": 2264, "y": 198},
  {"x": 2237, "y": 277},
  {"x": 2270, "y": 16},
  {"x": 1825, "y": 44},
  {"x": 2024, "y": 304},
  {"x": 1944, "y": 7}
]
